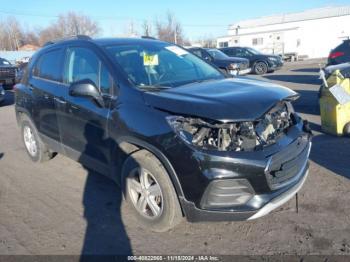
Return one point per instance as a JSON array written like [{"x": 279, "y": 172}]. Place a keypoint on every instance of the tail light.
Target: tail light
[{"x": 335, "y": 55}]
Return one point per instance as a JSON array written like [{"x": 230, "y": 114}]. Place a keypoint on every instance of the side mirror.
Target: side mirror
[{"x": 86, "y": 88}]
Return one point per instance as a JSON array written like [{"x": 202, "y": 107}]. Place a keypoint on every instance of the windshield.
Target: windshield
[
  {"x": 161, "y": 65},
  {"x": 217, "y": 54},
  {"x": 4, "y": 62},
  {"x": 253, "y": 51}
]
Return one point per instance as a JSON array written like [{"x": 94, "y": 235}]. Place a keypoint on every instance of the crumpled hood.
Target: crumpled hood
[{"x": 237, "y": 99}]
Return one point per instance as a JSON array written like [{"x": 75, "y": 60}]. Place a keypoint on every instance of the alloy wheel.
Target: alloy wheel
[
  {"x": 145, "y": 193},
  {"x": 29, "y": 141}
]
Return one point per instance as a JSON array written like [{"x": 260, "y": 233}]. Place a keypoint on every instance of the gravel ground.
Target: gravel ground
[{"x": 60, "y": 208}]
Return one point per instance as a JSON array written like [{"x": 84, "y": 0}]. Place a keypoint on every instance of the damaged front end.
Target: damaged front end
[{"x": 236, "y": 136}]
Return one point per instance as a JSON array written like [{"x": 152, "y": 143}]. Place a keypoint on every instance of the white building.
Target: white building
[{"x": 312, "y": 33}]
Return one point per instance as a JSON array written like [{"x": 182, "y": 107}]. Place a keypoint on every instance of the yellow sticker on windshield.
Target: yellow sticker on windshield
[{"x": 150, "y": 60}]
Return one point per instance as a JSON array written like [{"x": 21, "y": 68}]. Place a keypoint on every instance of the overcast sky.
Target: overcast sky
[{"x": 198, "y": 18}]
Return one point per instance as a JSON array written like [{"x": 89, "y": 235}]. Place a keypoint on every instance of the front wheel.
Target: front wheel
[
  {"x": 149, "y": 192},
  {"x": 260, "y": 68}
]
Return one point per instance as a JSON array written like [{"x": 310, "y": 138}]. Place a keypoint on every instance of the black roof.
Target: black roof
[
  {"x": 111, "y": 41},
  {"x": 101, "y": 41}
]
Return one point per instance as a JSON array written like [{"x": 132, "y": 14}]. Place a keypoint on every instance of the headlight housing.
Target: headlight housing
[
  {"x": 235, "y": 136},
  {"x": 233, "y": 66},
  {"x": 273, "y": 59}
]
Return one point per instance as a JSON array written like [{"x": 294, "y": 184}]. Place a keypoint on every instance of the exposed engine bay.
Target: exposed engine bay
[{"x": 239, "y": 136}]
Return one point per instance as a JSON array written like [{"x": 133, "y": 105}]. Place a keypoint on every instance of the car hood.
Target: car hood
[{"x": 237, "y": 99}]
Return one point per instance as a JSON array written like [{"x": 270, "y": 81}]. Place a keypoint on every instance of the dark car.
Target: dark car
[
  {"x": 259, "y": 62},
  {"x": 179, "y": 137},
  {"x": 340, "y": 54},
  {"x": 2, "y": 94},
  {"x": 230, "y": 65},
  {"x": 7, "y": 72},
  {"x": 20, "y": 71}
]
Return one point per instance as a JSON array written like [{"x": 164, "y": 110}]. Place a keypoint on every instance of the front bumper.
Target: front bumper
[
  {"x": 240, "y": 72},
  {"x": 271, "y": 188},
  {"x": 275, "y": 66}
]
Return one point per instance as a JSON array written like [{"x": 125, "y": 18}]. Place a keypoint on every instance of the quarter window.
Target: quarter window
[
  {"x": 82, "y": 64},
  {"x": 49, "y": 66}
]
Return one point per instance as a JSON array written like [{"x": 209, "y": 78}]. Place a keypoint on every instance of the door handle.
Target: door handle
[
  {"x": 31, "y": 87},
  {"x": 61, "y": 101}
]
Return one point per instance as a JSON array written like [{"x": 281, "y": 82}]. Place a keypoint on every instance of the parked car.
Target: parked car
[
  {"x": 179, "y": 137},
  {"x": 20, "y": 71},
  {"x": 7, "y": 72},
  {"x": 340, "y": 54},
  {"x": 2, "y": 94},
  {"x": 231, "y": 65},
  {"x": 259, "y": 62}
]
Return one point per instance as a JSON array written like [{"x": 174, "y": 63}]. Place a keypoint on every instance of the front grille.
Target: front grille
[
  {"x": 285, "y": 166},
  {"x": 7, "y": 72}
]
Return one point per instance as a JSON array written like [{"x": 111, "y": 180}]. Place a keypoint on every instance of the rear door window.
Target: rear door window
[{"x": 49, "y": 66}]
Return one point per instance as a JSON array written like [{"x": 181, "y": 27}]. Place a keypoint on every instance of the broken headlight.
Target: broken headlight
[
  {"x": 215, "y": 136},
  {"x": 235, "y": 136}
]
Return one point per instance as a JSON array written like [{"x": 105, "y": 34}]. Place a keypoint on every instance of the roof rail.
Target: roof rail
[
  {"x": 80, "y": 37},
  {"x": 148, "y": 37}
]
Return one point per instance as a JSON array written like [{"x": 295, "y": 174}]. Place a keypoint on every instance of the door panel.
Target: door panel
[
  {"x": 82, "y": 122},
  {"x": 46, "y": 85},
  {"x": 45, "y": 113}
]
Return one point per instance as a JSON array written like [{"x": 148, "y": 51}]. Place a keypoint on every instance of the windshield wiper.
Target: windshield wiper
[{"x": 153, "y": 87}]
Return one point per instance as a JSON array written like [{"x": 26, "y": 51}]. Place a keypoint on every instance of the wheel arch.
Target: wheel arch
[
  {"x": 130, "y": 145},
  {"x": 22, "y": 111},
  {"x": 262, "y": 61}
]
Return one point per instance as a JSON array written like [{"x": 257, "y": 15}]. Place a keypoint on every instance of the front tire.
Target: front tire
[
  {"x": 35, "y": 148},
  {"x": 260, "y": 68},
  {"x": 149, "y": 192}
]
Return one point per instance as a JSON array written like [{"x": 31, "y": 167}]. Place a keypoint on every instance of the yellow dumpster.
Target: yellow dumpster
[{"x": 335, "y": 103}]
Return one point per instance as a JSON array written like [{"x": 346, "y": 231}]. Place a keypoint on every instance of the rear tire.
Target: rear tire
[
  {"x": 346, "y": 130},
  {"x": 35, "y": 148},
  {"x": 149, "y": 192},
  {"x": 260, "y": 68}
]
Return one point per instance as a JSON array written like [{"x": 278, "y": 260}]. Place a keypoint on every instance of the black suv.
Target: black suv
[
  {"x": 229, "y": 65},
  {"x": 340, "y": 54},
  {"x": 259, "y": 62},
  {"x": 7, "y": 72},
  {"x": 170, "y": 129}
]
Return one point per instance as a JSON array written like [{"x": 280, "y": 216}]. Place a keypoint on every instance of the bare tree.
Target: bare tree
[
  {"x": 130, "y": 29},
  {"x": 146, "y": 28},
  {"x": 171, "y": 30},
  {"x": 68, "y": 25},
  {"x": 11, "y": 34}
]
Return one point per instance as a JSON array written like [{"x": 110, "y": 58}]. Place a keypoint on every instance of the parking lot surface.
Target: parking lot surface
[{"x": 60, "y": 208}]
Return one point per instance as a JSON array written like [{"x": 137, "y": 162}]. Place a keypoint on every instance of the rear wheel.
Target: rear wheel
[
  {"x": 36, "y": 149},
  {"x": 346, "y": 130},
  {"x": 149, "y": 192},
  {"x": 260, "y": 68}
]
